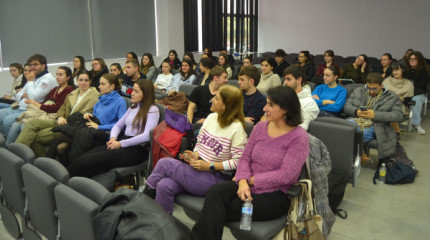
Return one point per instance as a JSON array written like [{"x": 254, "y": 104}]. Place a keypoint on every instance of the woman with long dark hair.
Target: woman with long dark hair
[
  {"x": 223, "y": 62},
  {"x": 306, "y": 62},
  {"x": 147, "y": 66},
  {"x": 270, "y": 165},
  {"x": 173, "y": 59},
  {"x": 78, "y": 67},
  {"x": 98, "y": 69},
  {"x": 185, "y": 76},
  {"x": 358, "y": 70},
  {"x": 123, "y": 150},
  {"x": 419, "y": 73}
]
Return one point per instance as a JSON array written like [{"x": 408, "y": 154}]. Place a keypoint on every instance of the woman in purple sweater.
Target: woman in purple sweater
[
  {"x": 125, "y": 150},
  {"x": 270, "y": 165}
]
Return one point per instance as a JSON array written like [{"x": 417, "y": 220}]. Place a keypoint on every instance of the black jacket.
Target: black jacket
[{"x": 128, "y": 214}]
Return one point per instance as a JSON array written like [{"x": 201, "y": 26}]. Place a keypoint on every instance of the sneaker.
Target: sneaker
[{"x": 420, "y": 130}]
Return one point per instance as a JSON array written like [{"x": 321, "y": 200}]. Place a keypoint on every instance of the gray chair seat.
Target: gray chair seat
[{"x": 192, "y": 205}]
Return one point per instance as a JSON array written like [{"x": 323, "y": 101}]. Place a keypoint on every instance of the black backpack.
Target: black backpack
[{"x": 337, "y": 181}]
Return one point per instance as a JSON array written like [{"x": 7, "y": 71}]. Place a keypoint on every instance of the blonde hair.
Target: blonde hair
[{"x": 232, "y": 99}]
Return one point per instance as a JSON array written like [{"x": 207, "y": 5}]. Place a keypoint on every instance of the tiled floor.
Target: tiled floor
[{"x": 377, "y": 212}]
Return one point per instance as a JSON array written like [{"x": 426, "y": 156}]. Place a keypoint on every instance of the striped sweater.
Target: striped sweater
[{"x": 216, "y": 144}]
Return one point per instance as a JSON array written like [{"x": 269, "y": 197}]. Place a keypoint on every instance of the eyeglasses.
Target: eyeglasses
[
  {"x": 371, "y": 89},
  {"x": 34, "y": 64}
]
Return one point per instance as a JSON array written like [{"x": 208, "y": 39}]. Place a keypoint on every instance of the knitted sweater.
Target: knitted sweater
[
  {"x": 127, "y": 122},
  {"x": 337, "y": 94},
  {"x": 216, "y": 144},
  {"x": 275, "y": 163},
  {"x": 268, "y": 81},
  {"x": 57, "y": 97},
  {"x": 109, "y": 109}
]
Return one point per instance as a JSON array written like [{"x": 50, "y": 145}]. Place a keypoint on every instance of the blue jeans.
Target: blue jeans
[
  {"x": 4, "y": 105},
  {"x": 416, "y": 110},
  {"x": 7, "y": 118},
  {"x": 368, "y": 133},
  {"x": 14, "y": 132}
]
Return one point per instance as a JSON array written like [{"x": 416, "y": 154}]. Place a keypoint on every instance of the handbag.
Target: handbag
[
  {"x": 302, "y": 223},
  {"x": 177, "y": 121}
]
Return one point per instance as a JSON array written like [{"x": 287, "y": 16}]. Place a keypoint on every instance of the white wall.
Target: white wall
[
  {"x": 170, "y": 36},
  {"x": 348, "y": 27}
]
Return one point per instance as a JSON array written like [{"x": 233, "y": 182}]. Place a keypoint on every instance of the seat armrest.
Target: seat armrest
[{"x": 294, "y": 191}]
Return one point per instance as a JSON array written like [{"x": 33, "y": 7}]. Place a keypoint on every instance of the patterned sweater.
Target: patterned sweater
[{"x": 216, "y": 144}]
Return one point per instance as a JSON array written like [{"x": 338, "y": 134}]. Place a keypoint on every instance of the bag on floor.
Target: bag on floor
[
  {"x": 303, "y": 223},
  {"x": 400, "y": 169},
  {"x": 337, "y": 181}
]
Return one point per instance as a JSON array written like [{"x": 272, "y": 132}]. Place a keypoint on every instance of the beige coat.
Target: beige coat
[
  {"x": 403, "y": 88},
  {"x": 86, "y": 104}
]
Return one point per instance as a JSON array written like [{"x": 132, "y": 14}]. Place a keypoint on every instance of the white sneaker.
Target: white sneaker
[{"x": 420, "y": 130}]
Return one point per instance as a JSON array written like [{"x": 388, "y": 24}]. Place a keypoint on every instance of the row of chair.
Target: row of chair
[{"x": 40, "y": 192}]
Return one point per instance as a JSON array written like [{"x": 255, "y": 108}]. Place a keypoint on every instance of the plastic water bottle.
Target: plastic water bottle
[
  {"x": 382, "y": 173},
  {"x": 245, "y": 221}
]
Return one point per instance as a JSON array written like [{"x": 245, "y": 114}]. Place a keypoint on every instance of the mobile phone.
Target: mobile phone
[{"x": 363, "y": 108}]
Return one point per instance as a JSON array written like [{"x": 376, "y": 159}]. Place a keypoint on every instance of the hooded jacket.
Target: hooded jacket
[
  {"x": 309, "y": 107},
  {"x": 109, "y": 109}
]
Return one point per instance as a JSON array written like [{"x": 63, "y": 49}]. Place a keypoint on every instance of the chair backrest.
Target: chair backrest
[
  {"x": 2, "y": 141},
  {"x": 127, "y": 101},
  {"x": 174, "y": 71},
  {"x": 23, "y": 151},
  {"x": 187, "y": 89},
  {"x": 351, "y": 87},
  {"x": 312, "y": 85},
  {"x": 40, "y": 180},
  {"x": 11, "y": 180},
  {"x": 233, "y": 82},
  {"x": 162, "y": 111},
  {"x": 77, "y": 204},
  {"x": 339, "y": 140}
]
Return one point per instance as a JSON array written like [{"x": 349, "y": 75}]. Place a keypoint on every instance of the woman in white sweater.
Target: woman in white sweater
[{"x": 268, "y": 78}]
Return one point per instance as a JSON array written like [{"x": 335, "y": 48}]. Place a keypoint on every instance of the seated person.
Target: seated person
[
  {"x": 230, "y": 58},
  {"x": 385, "y": 68},
  {"x": 130, "y": 77},
  {"x": 190, "y": 56},
  {"x": 270, "y": 165},
  {"x": 219, "y": 146},
  {"x": 328, "y": 59},
  {"x": 39, "y": 83},
  {"x": 294, "y": 78},
  {"x": 116, "y": 69},
  {"x": 397, "y": 83},
  {"x": 419, "y": 74},
  {"x": 147, "y": 67},
  {"x": 37, "y": 132},
  {"x": 98, "y": 69},
  {"x": 164, "y": 78},
  {"x": 247, "y": 61},
  {"x": 253, "y": 100},
  {"x": 206, "y": 65},
  {"x": 16, "y": 71},
  {"x": 358, "y": 70},
  {"x": 78, "y": 67},
  {"x": 173, "y": 59},
  {"x": 330, "y": 96},
  {"x": 201, "y": 96},
  {"x": 222, "y": 61},
  {"x": 306, "y": 62},
  {"x": 125, "y": 150},
  {"x": 48, "y": 107},
  {"x": 186, "y": 75},
  {"x": 374, "y": 108},
  {"x": 281, "y": 64},
  {"x": 108, "y": 110},
  {"x": 268, "y": 78}
]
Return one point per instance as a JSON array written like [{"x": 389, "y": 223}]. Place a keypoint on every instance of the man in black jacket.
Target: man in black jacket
[{"x": 280, "y": 63}]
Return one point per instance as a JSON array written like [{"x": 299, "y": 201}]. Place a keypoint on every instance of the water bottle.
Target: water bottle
[
  {"x": 382, "y": 173},
  {"x": 245, "y": 221}
]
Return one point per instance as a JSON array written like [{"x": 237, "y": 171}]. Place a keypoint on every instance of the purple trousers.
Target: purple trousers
[{"x": 172, "y": 176}]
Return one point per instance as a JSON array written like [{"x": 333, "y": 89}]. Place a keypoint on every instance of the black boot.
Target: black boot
[{"x": 150, "y": 192}]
